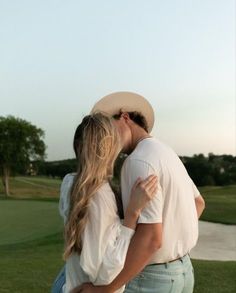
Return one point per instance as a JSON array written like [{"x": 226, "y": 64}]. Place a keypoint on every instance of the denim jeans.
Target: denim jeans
[
  {"x": 173, "y": 277},
  {"x": 59, "y": 281}
]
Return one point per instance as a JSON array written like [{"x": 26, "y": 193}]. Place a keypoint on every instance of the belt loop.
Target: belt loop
[{"x": 166, "y": 265}]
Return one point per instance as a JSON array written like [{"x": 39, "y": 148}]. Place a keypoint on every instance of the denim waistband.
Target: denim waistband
[
  {"x": 180, "y": 259},
  {"x": 175, "y": 267}
]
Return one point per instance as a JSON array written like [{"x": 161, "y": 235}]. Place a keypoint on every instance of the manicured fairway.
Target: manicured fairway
[
  {"x": 23, "y": 220},
  {"x": 33, "y": 187},
  {"x": 31, "y": 245},
  {"x": 32, "y": 267},
  {"x": 220, "y": 204},
  {"x": 31, "y": 241},
  {"x": 214, "y": 276}
]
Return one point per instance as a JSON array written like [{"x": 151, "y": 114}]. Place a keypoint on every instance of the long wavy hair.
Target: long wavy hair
[{"x": 96, "y": 145}]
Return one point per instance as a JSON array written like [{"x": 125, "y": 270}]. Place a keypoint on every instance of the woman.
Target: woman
[{"x": 96, "y": 242}]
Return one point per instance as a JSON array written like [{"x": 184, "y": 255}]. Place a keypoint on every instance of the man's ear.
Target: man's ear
[{"x": 125, "y": 116}]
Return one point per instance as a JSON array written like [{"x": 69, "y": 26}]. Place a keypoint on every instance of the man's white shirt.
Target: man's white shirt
[{"x": 174, "y": 203}]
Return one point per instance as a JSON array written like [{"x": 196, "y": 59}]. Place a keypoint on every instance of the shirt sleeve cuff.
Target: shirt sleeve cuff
[
  {"x": 126, "y": 232},
  {"x": 145, "y": 220}
]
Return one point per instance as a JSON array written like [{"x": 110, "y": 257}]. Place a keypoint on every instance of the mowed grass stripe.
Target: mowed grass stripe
[
  {"x": 220, "y": 204},
  {"x": 37, "y": 184},
  {"x": 44, "y": 181},
  {"x": 220, "y": 200},
  {"x": 23, "y": 221},
  {"x": 33, "y": 187}
]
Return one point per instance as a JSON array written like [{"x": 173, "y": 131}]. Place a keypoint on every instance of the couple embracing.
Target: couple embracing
[{"x": 148, "y": 250}]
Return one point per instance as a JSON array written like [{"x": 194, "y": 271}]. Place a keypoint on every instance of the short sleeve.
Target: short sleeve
[
  {"x": 196, "y": 192},
  {"x": 133, "y": 169}
]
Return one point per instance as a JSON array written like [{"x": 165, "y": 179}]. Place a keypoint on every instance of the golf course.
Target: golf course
[{"x": 31, "y": 237}]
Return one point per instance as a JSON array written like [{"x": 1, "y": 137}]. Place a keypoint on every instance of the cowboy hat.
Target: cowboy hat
[{"x": 113, "y": 103}]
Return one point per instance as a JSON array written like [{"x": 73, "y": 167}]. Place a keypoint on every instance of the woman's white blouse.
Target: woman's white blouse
[{"x": 105, "y": 239}]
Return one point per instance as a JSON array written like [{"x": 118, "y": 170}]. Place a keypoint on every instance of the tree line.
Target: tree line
[
  {"x": 22, "y": 152},
  {"x": 204, "y": 170}
]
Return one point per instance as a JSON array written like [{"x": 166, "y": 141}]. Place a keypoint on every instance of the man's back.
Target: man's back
[{"x": 174, "y": 205}]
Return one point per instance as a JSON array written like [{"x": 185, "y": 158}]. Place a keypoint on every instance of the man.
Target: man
[{"x": 158, "y": 256}]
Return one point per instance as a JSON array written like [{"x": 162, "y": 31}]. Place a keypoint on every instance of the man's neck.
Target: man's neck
[{"x": 138, "y": 134}]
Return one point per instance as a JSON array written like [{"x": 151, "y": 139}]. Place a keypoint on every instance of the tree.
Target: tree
[
  {"x": 199, "y": 169},
  {"x": 20, "y": 142},
  {"x": 55, "y": 168}
]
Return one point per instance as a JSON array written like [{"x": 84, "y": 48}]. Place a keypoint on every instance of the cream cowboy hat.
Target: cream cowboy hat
[{"x": 113, "y": 103}]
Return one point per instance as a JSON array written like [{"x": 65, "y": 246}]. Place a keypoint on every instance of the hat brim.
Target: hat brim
[{"x": 113, "y": 103}]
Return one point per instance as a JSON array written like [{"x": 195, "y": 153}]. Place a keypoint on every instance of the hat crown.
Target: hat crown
[{"x": 127, "y": 102}]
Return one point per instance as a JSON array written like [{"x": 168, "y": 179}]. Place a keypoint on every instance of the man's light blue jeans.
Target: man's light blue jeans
[{"x": 173, "y": 277}]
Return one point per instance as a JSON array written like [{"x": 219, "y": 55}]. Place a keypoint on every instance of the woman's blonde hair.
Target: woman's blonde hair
[{"x": 96, "y": 145}]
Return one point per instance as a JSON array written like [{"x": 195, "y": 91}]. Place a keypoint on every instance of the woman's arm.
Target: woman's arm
[
  {"x": 141, "y": 193},
  {"x": 105, "y": 239},
  {"x": 104, "y": 262}
]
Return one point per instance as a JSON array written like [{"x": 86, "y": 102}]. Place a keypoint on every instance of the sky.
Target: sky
[{"x": 57, "y": 58}]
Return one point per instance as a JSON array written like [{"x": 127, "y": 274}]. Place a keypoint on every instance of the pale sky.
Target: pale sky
[{"x": 57, "y": 58}]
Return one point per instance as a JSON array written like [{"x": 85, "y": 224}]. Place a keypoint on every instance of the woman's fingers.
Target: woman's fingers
[
  {"x": 148, "y": 180},
  {"x": 147, "y": 187},
  {"x": 137, "y": 182},
  {"x": 149, "y": 183},
  {"x": 153, "y": 190}
]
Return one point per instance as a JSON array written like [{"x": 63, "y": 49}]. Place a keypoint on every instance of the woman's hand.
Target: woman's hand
[{"x": 142, "y": 192}]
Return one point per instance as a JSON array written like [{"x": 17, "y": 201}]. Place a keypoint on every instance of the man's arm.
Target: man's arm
[
  {"x": 148, "y": 236},
  {"x": 200, "y": 205},
  {"x": 146, "y": 241}
]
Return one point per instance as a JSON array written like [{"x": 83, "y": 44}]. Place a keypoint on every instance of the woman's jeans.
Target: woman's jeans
[
  {"x": 57, "y": 286},
  {"x": 173, "y": 277}
]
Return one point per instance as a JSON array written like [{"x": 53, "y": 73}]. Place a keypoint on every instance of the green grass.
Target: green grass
[
  {"x": 31, "y": 242},
  {"x": 31, "y": 267},
  {"x": 214, "y": 276},
  {"x": 31, "y": 245},
  {"x": 220, "y": 204},
  {"x": 33, "y": 187},
  {"x": 22, "y": 220},
  {"x": 220, "y": 201}
]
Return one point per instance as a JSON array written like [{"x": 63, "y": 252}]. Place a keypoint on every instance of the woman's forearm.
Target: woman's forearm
[{"x": 131, "y": 218}]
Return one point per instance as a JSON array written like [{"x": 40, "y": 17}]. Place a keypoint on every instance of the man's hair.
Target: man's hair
[{"x": 135, "y": 116}]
